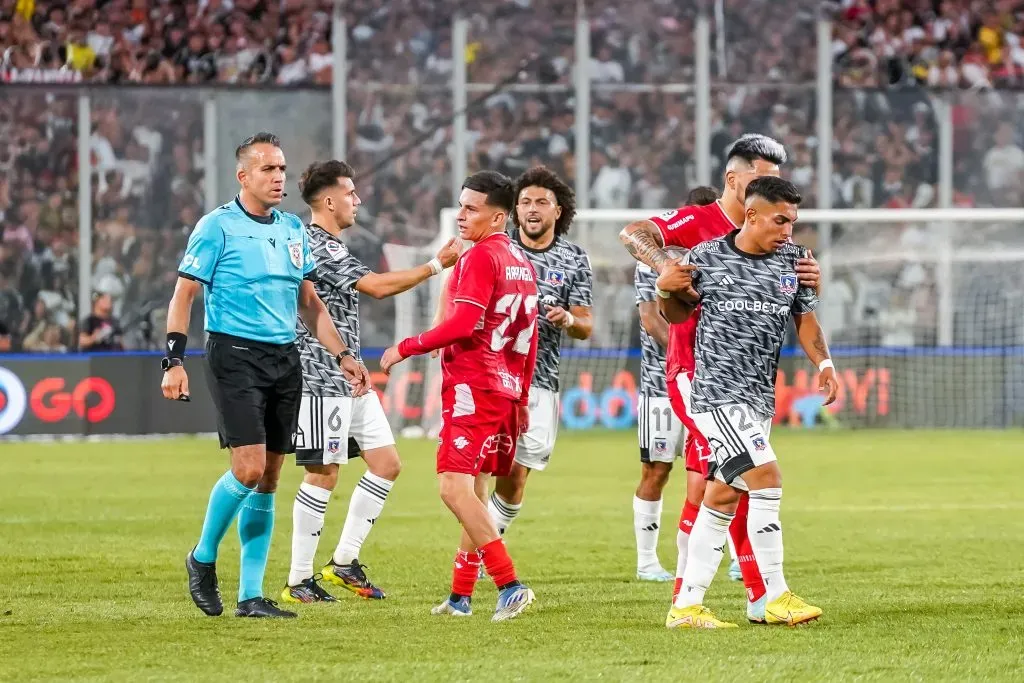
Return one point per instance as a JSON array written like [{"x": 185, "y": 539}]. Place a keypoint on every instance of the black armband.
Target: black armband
[{"x": 176, "y": 342}]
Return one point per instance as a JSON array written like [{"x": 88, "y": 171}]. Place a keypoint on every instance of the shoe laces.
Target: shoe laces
[{"x": 356, "y": 570}]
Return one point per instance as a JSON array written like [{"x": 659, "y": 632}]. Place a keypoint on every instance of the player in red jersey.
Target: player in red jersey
[
  {"x": 489, "y": 342},
  {"x": 749, "y": 157}
]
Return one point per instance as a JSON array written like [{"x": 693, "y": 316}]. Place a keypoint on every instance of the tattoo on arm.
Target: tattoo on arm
[
  {"x": 819, "y": 345},
  {"x": 642, "y": 245}
]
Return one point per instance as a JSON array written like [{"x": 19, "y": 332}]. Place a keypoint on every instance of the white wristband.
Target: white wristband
[
  {"x": 827, "y": 363},
  {"x": 570, "y": 320},
  {"x": 663, "y": 294},
  {"x": 435, "y": 266}
]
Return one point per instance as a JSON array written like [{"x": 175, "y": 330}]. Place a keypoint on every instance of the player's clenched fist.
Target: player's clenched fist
[
  {"x": 828, "y": 383},
  {"x": 356, "y": 374},
  {"x": 449, "y": 253},
  {"x": 677, "y": 278},
  {"x": 174, "y": 385}
]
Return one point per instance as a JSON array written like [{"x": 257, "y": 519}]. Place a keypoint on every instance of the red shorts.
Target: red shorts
[
  {"x": 478, "y": 432},
  {"x": 696, "y": 448}
]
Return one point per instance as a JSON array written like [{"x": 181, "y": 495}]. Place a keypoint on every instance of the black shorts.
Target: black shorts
[{"x": 256, "y": 388}]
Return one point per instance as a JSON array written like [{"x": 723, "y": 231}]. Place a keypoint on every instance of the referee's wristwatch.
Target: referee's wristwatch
[
  {"x": 346, "y": 352},
  {"x": 168, "y": 363}
]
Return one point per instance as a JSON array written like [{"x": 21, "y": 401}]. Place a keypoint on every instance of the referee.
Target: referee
[{"x": 255, "y": 267}]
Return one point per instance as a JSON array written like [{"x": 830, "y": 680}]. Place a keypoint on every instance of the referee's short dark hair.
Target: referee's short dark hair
[
  {"x": 262, "y": 138},
  {"x": 774, "y": 190},
  {"x": 320, "y": 175},
  {"x": 498, "y": 188}
]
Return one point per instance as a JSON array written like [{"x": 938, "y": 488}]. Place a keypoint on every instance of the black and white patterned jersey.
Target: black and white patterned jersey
[
  {"x": 652, "y": 355},
  {"x": 563, "y": 279},
  {"x": 338, "y": 271},
  {"x": 746, "y": 304}
]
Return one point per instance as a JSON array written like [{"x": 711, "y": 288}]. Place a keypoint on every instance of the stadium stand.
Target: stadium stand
[{"x": 890, "y": 57}]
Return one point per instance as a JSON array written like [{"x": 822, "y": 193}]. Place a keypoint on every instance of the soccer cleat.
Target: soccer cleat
[
  {"x": 351, "y": 577},
  {"x": 734, "y": 571},
  {"x": 262, "y": 608},
  {"x": 202, "y": 585},
  {"x": 307, "y": 591},
  {"x": 512, "y": 602},
  {"x": 790, "y": 610},
  {"x": 695, "y": 616},
  {"x": 455, "y": 609},
  {"x": 755, "y": 610},
  {"x": 659, "y": 575}
]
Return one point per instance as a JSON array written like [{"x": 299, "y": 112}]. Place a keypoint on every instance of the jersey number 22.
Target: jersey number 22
[{"x": 508, "y": 306}]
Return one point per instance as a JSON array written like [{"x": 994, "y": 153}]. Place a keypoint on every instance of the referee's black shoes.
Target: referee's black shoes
[
  {"x": 261, "y": 607},
  {"x": 202, "y": 584}
]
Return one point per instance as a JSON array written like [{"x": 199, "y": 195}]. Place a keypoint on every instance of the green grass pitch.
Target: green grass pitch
[{"x": 912, "y": 543}]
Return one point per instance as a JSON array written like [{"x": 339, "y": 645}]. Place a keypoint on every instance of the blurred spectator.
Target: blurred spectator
[
  {"x": 101, "y": 331},
  {"x": 5, "y": 338}
]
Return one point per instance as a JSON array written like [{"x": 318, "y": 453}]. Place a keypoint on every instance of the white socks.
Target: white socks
[
  {"x": 368, "y": 500},
  {"x": 707, "y": 545},
  {"x": 307, "y": 523},
  {"x": 646, "y": 524},
  {"x": 765, "y": 533},
  {"x": 502, "y": 513}
]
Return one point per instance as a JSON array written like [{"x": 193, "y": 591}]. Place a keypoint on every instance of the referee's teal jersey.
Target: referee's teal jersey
[{"x": 251, "y": 268}]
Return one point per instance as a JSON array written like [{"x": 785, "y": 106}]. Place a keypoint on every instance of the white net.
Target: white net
[{"x": 924, "y": 309}]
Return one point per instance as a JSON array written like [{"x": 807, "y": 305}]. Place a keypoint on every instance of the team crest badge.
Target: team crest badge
[
  {"x": 334, "y": 250},
  {"x": 295, "y": 252},
  {"x": 759, "y": 443},
  {"x": 333, "y": 445},
  {"x": 660, "y": 446},
  {"x": 787, "y": 284},
  {"x": 554, "y": 277}
]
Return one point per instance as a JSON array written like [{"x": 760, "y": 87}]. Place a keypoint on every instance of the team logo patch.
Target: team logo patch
[
  {"x": 334, "y": 250},
  {"x": 759, "y": 443},
  {"x": 787, "y": 284},
  {"x": 660, "y": 446},
  {"x": 554, "y": 277},
  {"x": 333, "y": 445},
  {"x": 295, "y": 252},
  {"x": 461, "y": 442}
]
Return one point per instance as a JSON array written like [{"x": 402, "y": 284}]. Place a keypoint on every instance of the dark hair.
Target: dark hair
[
  {"x": 496, "y": 186},
  {"x": 258, "y": 139},
  {"x": 753, "y": 146},
  {"x": 321, "y": 175},
  {"x": 542, "y": 176},
  {"x": 702, "y": 196},
  {"x": 774, "y": 190}
]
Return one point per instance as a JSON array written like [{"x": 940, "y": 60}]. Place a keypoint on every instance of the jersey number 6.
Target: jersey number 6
[{"x": 508, "y": 305}]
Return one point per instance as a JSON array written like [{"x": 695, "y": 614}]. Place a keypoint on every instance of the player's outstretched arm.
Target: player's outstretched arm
[
  {"x": 318, "y": 321},
  {"x": 382, "y": 285},
  {"x": 643, "y": 241},
  {"x": 812, "y": 339},
  {"x": 174, "y": 384},
  {"x": 455, "y": 328},
  {"x": 655, "y": 324}
]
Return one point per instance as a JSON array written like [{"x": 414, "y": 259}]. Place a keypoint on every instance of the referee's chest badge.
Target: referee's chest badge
[{"x": 295, "y": 252}]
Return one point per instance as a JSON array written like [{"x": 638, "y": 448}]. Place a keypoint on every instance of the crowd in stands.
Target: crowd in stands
[{"x": 890, "y": 60}]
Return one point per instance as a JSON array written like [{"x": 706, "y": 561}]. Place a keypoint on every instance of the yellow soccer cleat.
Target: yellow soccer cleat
[
  {"x": 790, "y": 610},
  {"x": 697, "y": 616}
]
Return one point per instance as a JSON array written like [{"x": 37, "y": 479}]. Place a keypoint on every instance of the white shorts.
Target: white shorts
[
  {"x": 739, "y": 442},
  {"x": 333, "y": 429},
  {"x": 659, "y": 430},
  {"x": 534, "y": 447}
]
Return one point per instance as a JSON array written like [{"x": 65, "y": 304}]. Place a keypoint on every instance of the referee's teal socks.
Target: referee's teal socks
[
  {"x": 255, "y": 526},
  {"x": 226, "y": 498}
]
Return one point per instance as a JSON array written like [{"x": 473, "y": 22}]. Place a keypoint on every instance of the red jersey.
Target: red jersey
[
  {"x": 495, "y": 275},
  {"x": 687, "y": 227}
]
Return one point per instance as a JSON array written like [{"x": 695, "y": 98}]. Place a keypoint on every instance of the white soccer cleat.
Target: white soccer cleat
[{"x": 658, "y": 575}]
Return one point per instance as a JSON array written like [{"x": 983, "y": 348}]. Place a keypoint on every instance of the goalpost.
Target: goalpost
[{"x": 924, "y": 309}]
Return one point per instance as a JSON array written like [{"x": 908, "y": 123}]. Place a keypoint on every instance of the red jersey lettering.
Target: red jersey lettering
[{"x": 496, "y": 276}]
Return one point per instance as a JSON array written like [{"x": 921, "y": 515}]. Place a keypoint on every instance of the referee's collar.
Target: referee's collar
[{"x": 265, "y": 220}]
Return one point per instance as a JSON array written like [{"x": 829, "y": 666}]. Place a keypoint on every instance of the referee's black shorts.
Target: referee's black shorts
[{"x": 257, "y": 388}]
